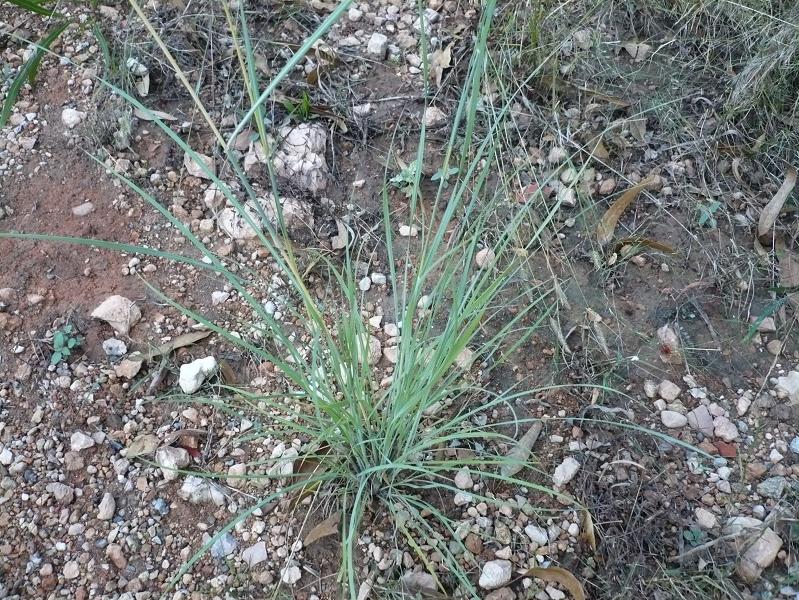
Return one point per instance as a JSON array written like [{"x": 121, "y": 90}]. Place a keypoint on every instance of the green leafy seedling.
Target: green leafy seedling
[
  {"x": 405, "y": 180},
  {"x": 301, "y": 110},
  {"x": 64, "y": 342},
  {"x": 445, "y": 174}
]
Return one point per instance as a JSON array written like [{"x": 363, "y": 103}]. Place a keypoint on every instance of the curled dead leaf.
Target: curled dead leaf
[
  {"x": 588, "y": 533},
  {"x": 186, "y": 339},
  {"x": 607, "y": 225},
  {"x": 324, "y": 529},
  {"x": 440, "y": 60},
  {"x": 562, "y": 577},
  {"x": 646, "y": 242},
  {"x": 770, "y": 212}
]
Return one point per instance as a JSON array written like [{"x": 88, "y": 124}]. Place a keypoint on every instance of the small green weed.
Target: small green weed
[
  {"x": 64, "y": 342},
  {"x": 300, "y": 110}
]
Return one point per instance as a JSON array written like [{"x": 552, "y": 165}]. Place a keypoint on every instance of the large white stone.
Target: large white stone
[
  {"x": 495, "y": 574},
  {"x": 170, "y": 459},
  {"x": 193, "y": 374},
  {"x": 565, "y": 471}
]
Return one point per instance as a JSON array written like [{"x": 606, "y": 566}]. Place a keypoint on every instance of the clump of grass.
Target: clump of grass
[{"x": 373, "y": 448}]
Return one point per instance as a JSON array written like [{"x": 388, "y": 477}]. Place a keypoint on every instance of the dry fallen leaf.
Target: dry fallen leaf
[
  {"x": 637, "y": 50},
  {"x": 597, "y": 149},
  {"x": 587, "y": 529},
  {"x": 143, "y": 85},
  {"x": 562, "y": 577},
  {"x": 606, "y": 227},
  {"x": 521, "y": 451},
  {"x": 186, "y": 339},
  {"x": 324, "y": 529},
  {"x": 152, "y": 115},
  {"x": 639, "y": 241},
  {"x": 439, "y": 61},
  {"x": 772, "y": 210}
]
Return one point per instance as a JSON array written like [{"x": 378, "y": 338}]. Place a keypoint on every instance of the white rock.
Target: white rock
[
  {"x": 301, "y": 156},
  {"x": 284, "y": 467},
  {"x": 408, "y": 230},
  {"x": 218, "y": 297},
  {"x": 760, "y": 552},
  {"x": 788, "y": 386},
  {"x": 705, "y": 519},
  {"x": 119, "y": 312},
  {"x": 378, "y": 45},
  {"x": 6, "y": 457},
  {"x": 378, "y": 278},
  {"x": 767, "y": 325},
  {"x": 63, "y": 493},
  {"x": 650, "y": 388},
  {"x": 365, "y": 284},
  {"x": 554, "y": 593},
  {"x": 198, "y": 490},
  {"x": 565, "y": 471},
  {"x": 106, "y": 508},
  {"x": 194, "y": 168},
  {"x": 82, "y": 210},
  {"x": 582, "y": 39},
  {"x": 375, "y": 350},
  {"x": 742, "y": 405},
  {"x": 170, "y": 459},
  {"x": 290, "y": 575},
  {"x": 556, "y": 155},
  {"x": 462, "y": 498},
  {"x": 775, "y": 456},
  {"x": 673, "y": 419},
  {"x": 114, "y": 348},
  {"x": 193, "y": 374},
  {"x": 573, "y": 529},
  {"x": 254, "y": 554},
  {"x": 725, "y": 429},
  {"x": 495, "y": 574},
  {"x": 537, "y": 535},
  {"x": 80, "y": 441},
  {"x": 127, "y": 368},
  {"x": 71, "y": 117},
  {"x": 463, "y": 480},
  {"x": 434, "y": 117},
  {"x": 71, "y": 570},
  {"x": 236, "y": 475},
  {"x": 735, "y": 525},
  {"x": 567, "y": 196},
  {"x": 485, "y": 257},
  {"x": 668, "y": 390},
  {"x": 354, "y": 14},
  {"x": 391, "y": 354}
]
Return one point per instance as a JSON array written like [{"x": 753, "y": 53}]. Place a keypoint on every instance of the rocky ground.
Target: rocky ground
[{"x": 100, "y": 452}]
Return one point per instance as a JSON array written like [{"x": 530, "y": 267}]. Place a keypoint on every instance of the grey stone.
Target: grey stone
[
  {"x": 773, "y": 487},
  {"x": 224, "y": 546},
  {"x": 495, "y": 574},
  {"x": 700, "y": 419}
]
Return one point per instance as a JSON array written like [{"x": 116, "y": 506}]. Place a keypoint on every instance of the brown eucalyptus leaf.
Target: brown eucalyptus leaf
[
  {"x": 770, "y": 212},
  {"x": 560, "y": 576},
  {"x": 324, "y": 529},
  {"x": 587, "y": 529},
  {"x": 607, "y": 225}
]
